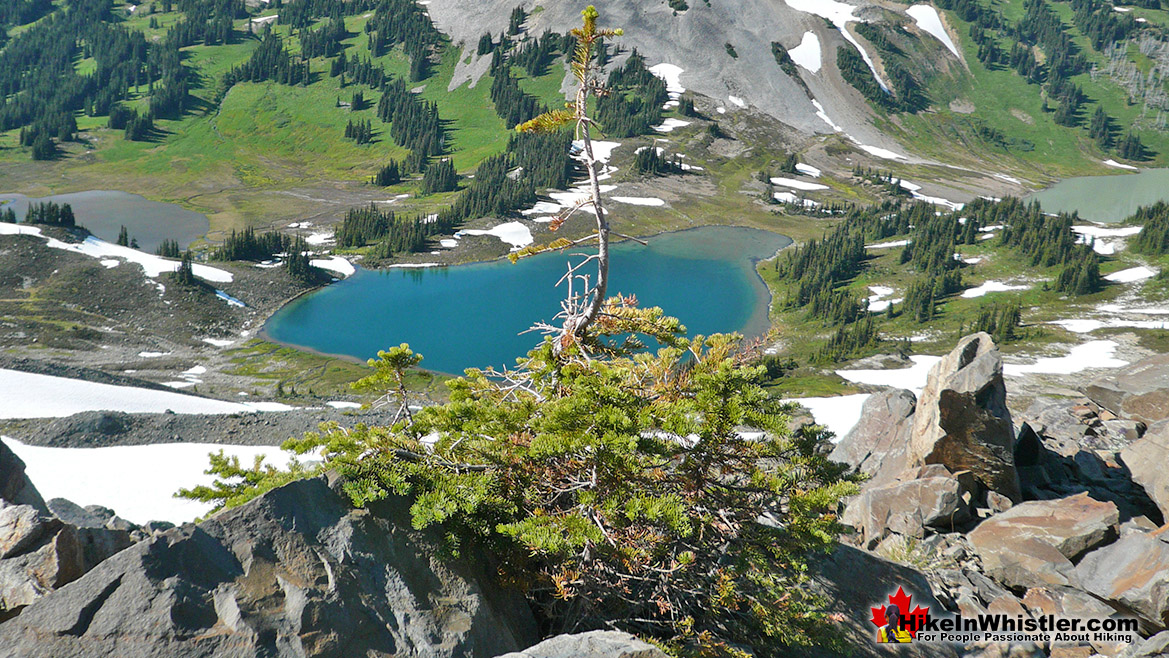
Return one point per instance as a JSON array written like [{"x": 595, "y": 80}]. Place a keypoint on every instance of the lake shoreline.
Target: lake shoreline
[{"x": 757, "y": 325}]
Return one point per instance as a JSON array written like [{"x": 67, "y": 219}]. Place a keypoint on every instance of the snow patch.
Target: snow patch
[
  {"x": 513, "y": 233},
  {"x": 798, "y": 184},
  {"x": 1132, "y": 274},
  {"x": 406, "y": 266},
  {"x": 808, "y": 170},
  {"x": 928, "y": 20},
  {"x": 840, "y": 14},
  {"x": 218, "y": 342},
  {"x": 670, "y": 124},
  {"x": 989, "y": 287},
  {"x": 1120, "y": 165},
  {"x": 807, "y": 54},
  {"x": 335, "y": 264},
  {"x": 886, "y": 245},
  {"x": 30, "y": 395},
  {"x": 231, "y": 301},
  {"x": 638, "y": 200},
  {"x": 838, "y": 414},
  {"x": 912, "y": 378},
  {"x": 735, "y": 100},
  {"x": 341, "y": 404}
]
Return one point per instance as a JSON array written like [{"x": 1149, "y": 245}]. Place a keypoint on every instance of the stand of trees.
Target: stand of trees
[
  {"x": 246, "y": 245},
  {"x": 440, "y": 176},
  {"x": 388, "y": 174},
  {"x": 51, "y": 214},
  {"x": 634, "y": 102},
  {"x": 1154, "y": 237}
]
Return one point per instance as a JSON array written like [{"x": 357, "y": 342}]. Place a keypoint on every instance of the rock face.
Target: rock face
[
  {"x": 1139, "y": 391},
  {"x": 876, "y": 445},
  {"x": 1132, "y": 574},
  {"x": 15, "y": 487},
  {"x": 962, "y": 421},
  {"x": 1148, "y": 461},
  {"x": 39, "y": 552},
  {"x": 595, "y": 644},
  {"x": 1036, "y": 543},
  {"x": 295, "y": 572}
]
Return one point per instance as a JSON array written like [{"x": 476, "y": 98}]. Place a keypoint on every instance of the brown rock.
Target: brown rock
[
  {"x": 1139, "y": 391},
  {"x": 962, "y": 421},
  {"x": 1035, "y": 543},
  {"x": 15, "y": 487},
  {"x": 1132, "y": 574}
]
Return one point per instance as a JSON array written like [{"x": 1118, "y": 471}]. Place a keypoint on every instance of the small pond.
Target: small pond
[{"x": 104, "y": 212}]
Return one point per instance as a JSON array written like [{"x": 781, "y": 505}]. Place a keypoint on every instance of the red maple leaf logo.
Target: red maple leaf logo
[{"x": 911, "y": 621}]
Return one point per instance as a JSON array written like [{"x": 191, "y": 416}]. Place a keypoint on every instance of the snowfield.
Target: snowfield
[
  {"x": 928, "y": 20},
  {"x": 335, "y": 264},
  {"x": 137, "y": 482},
  {"x": 838, "y": 414},
  {"x": 1093, "y": 354},
  {"x": 29, "y": 395},
  {"x": 807, "y": 54},
  {"x": 912, "y": 378}
]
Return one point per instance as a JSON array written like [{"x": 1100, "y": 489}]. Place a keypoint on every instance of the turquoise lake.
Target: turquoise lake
[
  {"x": 1106, "y": 198},
  {"x": 473, "y": 315}
]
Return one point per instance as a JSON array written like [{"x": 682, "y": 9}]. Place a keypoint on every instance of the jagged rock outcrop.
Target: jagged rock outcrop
[
  {"x": 1148, "y": 461},
  {"x": 15, "y": 487},
  {"x": 294, "y": 572},
  {"x": 877, "y": 444},
  {"x": 1138, "y": 391},
  {"x": 1068, "y": 447},
  {"x": 1035, "y": 544},
  {"x": 1133, "y": 574},
  {"x": 929, "y": 497},
  {"x": 595, "y": 644},
  {"x": 962, "y": 421},
  {"x": 38, "y": 551}
]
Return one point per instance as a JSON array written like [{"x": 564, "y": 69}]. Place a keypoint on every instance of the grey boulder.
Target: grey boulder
[
  {"x": 1147, "y": 459},
  {"x": 876, "y": 445},
  {"x": 295, "y": 572}
]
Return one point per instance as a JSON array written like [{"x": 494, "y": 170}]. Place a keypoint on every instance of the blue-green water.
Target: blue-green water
[
  {"x": 1106, "y": 198},
  {"x": 472, "y": 315}
]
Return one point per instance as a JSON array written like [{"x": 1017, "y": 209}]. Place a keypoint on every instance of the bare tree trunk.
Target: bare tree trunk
[{"x": 581, "y": 323}]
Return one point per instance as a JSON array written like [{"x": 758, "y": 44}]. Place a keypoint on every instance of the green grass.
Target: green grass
[{"x": 305, "y": 374}]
